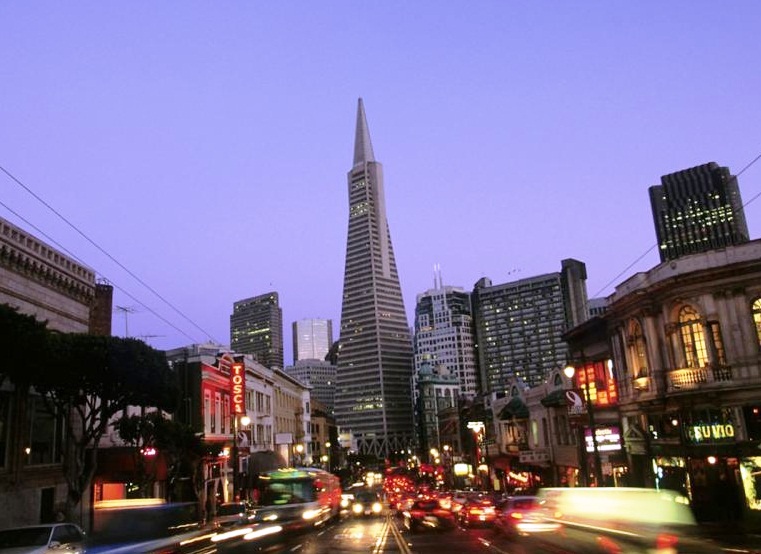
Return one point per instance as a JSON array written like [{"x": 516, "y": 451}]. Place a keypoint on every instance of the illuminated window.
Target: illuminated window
[
  {"x": 637, "y": 350},
  {"x": 693, "y": 339},
  {"x": 757, "y": 318}
]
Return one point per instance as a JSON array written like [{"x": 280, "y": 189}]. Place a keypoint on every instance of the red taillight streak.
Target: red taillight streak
[{"x": 664, "y": 540}]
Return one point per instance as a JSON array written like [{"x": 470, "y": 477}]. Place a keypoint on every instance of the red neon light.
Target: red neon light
[{"x": 238, "y": 388}]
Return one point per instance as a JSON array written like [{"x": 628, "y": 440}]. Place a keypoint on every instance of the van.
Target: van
[{"x": 620, "y": 519}]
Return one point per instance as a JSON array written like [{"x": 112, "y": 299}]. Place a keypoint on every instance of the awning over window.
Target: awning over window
[
  {"x": 515, "y": 409},
  {"x": 555, "y": 399}
]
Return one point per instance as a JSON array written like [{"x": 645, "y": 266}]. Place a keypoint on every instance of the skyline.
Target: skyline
[{"x": 212, "y": 145}]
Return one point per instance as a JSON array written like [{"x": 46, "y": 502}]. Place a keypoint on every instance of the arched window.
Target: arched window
[
  {"x": 693, "y": 339},
  {"x": 757, "y": 318},
  {"x": 558, "y": 381},
  {"x": 637, "y": 350}
]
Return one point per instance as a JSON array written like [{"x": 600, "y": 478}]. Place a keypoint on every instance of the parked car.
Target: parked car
[
  {"x": 428, "y": 514},
  {"x": 477, "y": 511},
  {"x": 233, "y": 514},
  {"x": 520, "y": 515},
  {"x": 43, "y": 539}
]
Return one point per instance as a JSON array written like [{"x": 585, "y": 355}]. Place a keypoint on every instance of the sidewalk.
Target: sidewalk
[{"x": 731, "y": 536}]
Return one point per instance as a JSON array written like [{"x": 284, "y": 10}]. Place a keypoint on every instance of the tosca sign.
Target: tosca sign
[{"x": 238, "y": 388}]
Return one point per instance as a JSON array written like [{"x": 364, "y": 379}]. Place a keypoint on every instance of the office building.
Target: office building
[
  {"x": 519, "y": 325},
  {"x": 697, "y": 210},
  {"x": 320, "y": 376},
  {"x": 312, "y": 339},
  {"x": 444, "y": 334},
  {"x": 373, "y": 396},
  {"x": 256, "y": 328}
]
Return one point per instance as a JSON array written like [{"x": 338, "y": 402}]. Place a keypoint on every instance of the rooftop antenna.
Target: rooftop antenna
[{"x": 126, "y": 310}]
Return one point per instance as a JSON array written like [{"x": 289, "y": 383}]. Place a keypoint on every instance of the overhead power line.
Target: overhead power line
[
  {"x": 108, "y": 255},
  {"x": 623, "y": 271}
]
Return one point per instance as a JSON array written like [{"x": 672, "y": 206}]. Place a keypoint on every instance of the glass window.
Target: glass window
[
  {"x": 637, "y": 350},
  {"x": 45, "y": 433},
  {"x": 757, "y": 318},
  {"x": 693, "y": 340},
  {"x": 5, "y": 419}
]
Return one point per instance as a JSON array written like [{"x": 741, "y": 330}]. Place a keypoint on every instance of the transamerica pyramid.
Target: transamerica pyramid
[{"x": 373, "y": 396}]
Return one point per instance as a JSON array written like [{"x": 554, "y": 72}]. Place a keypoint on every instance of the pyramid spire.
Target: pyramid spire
[{"x": 363, "y": 148}]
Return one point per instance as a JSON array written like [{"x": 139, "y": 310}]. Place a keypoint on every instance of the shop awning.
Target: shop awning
[
  {"x": 515, "y": 409},
  {"x": 555, "y": 399}
]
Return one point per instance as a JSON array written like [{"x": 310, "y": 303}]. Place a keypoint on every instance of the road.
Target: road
[{"x": 381, "y": 535}]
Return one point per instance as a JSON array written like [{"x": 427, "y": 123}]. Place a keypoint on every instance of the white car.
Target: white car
[{"x": 43, "y": 539}]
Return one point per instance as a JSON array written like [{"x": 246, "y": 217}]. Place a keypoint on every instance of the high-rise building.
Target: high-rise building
[
  {"x": 519, "y": 325},
  {"x": 320, "y": 375},
  {"x": 373, "y": 394},
  {"x": 256, "y": 328},
  {"x": 312, "y": 339},
  {"x": 696, "y": 210},
  {"x": 444, "y": 334}
]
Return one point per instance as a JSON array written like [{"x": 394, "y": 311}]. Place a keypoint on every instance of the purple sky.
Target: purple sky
[{"x": 205, "y": 146}]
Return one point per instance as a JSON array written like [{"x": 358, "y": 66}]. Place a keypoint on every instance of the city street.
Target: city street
[{"x": 385, "y": 535}]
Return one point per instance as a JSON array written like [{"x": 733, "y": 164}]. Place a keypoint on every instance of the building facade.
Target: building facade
[
  {"x": 312, "y": 339},
  {"x": 519, "y": 325},
  {"x": 256, "y": 328},
  {"x": 437, "y": 390},
  {"x": 40, "y": 281},
  {"x": 373, "y": 396},
  {"x": 686, "y": 342},
  {"x": 444, "y": 335},
  {"x": 321, "y": 378},
  {"x": 697, "y": 209}
]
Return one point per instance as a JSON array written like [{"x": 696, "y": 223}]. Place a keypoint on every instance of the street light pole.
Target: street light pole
[
  {"x": 569, "y": 371},
  {"x": 244, "y": 420}
]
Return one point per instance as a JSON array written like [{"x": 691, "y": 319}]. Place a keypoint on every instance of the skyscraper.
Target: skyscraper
[
  {"x": 519, "y": 325},
  {"x": 373, "y": 394},
  {"x": 256, "y": 328},
  {"x": 444, "y": 334},
  {"x": 697, "y": 209},
  {"x": 312, "y": 339}
]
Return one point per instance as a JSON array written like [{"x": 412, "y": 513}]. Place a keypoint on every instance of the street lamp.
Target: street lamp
[
  {"x": 299, "y": 450},
  {"x": 327, "y": 449},
  {"x": 569, "y": 372},
  {"x": 237, "y": 423}
]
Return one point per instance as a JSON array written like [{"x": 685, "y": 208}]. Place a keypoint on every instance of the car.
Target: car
[
  {"x": 428, "y": 514},
  {"x": 366, "y": 503},
  {"x": 520, "y": 515},
  {"x": 478, "y": 510},
  {"x": 232, "y": 514},
  {"x": 41, "y": 539}
]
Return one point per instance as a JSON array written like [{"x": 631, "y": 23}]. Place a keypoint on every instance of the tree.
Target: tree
[
  {"x": 22, "y": 338},
  {"x": 139, "y": 432},
  {"x": 87, "y": 380}
]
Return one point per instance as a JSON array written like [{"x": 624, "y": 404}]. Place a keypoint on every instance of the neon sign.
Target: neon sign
[
  {"x": 238, "y": 387},
  {"x": 711, "y": 432}
]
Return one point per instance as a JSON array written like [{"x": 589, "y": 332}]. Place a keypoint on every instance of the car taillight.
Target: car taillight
[{"x": 666, "y": 541}]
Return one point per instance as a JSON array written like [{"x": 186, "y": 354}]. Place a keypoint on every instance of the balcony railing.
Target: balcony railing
[{"x": 695, "y": 378}]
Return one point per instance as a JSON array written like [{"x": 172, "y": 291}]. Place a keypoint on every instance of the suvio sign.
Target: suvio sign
[{"x": 712, "y": 432}]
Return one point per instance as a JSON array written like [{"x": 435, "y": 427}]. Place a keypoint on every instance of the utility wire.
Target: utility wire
[
  {"x": 102, "y": 250},
  {"x": 74, "y": 256},
  {"x": 734, "y": 177}
]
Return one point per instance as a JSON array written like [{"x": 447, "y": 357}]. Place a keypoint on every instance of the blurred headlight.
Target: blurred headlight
[
  {"x": 344, "y": 502},
  {"x": 377, "y": 507},
  {"x": 357, "y": 508},
  {"x": 310, "y": 514}
]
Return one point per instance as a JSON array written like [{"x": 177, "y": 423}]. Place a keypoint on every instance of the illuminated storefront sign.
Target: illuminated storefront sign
[
  {"x": 238, "y": 388},
  {"x": 608, "y": 438},
  {"x": 715, "y": 432}
]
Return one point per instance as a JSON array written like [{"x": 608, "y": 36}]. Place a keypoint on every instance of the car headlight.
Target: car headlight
[
  {"x": 357, "y": 508},
  {"x": 310, "y": 514},
  {"x": 377, "y": 507}
]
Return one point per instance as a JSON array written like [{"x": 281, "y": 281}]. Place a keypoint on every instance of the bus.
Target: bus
[{"x": 297, "y": 498}]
